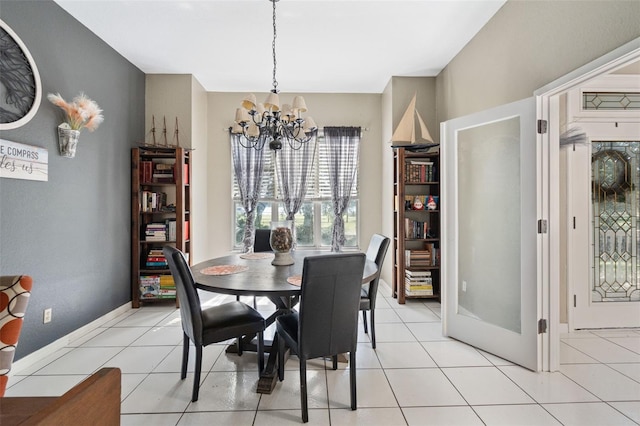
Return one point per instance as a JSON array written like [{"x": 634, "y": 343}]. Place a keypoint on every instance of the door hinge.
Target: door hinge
[
  {"x": 542, "y": 226},
  {"x": 574, "y": 301},
  {"x": 542, "y": 326},
  {"x": 542, "y": 126}
]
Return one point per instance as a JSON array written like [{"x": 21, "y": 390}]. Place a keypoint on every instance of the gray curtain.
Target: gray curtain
[
  {"x": 247, "y": 167},
  {"x": 342, "y": 144},
  {"x": 293, "y": 168}
]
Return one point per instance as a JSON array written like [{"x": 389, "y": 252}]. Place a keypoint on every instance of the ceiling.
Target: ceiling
[{"x": 322, "y": 46}]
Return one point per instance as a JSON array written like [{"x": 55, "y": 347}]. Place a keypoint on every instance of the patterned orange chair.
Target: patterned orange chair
[{"x": 14, "y": 297}]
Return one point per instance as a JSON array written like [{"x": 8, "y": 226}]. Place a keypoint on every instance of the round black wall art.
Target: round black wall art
[{"x": 20, "y": 87}]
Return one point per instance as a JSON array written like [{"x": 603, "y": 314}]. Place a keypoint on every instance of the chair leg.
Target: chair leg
[
  {"x": 352, "y": 379},
  {"x": 239, "y": 345},
  {"x": 303, "y": 390},
  {"x": 260, "y": 353},
  {"x": 196, "y": 375},
  {"x": 185, "y": 356},
  {"x": 364, "y": 321},
  {"x": 373, "y": 329},
  {"x": 281, "y": 350},
  {"x": 334, "y": 358}
]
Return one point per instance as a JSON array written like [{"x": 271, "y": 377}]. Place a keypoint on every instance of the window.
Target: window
[{"x": 314, "y": 220}]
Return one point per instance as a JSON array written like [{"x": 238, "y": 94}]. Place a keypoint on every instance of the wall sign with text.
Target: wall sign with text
[{"x": 20, "y": 161}]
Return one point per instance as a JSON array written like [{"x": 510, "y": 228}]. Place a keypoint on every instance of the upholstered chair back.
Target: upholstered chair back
[{"x": 14, "y": 297}]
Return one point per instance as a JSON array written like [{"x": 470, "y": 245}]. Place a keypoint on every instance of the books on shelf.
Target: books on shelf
[
  {"x": 418, "y": 283},
  {"x": 151, "y": 201},
  {"x": 164, "y": 231},
  {"x": 421, "y": 258},
  {"x": 151, "y": 287},
  {"x": 171, "y": 225},
  {"x": 156, "y": 259},
  {"x": 185, "y": 232},
  {"x": 419, "y": 171},
  {"x": 163, "y": 172},
  {"x": 414, "y": 229},
  {"x": 146, "y": 171}
]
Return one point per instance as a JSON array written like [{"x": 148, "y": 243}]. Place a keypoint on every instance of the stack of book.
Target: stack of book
[
  {"x": 163, "y": 173},
  {"x": 167, "y": 287},
  {"x": 157, "y": 287},
  {"x": 156, "y": 259},
  {"x": 418, "y": 283},
  {"x": 417, "y": 258},
  {"x": 156, "y": 232}
]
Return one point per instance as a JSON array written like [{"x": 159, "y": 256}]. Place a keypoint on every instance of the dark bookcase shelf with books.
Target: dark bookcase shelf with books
[
  {"x": 160, "y": 215},
  {"x": 416, "y": 236}
]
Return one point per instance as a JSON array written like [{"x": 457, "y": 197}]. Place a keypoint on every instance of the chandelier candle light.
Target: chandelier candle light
[{"x": 271, "y": 122}]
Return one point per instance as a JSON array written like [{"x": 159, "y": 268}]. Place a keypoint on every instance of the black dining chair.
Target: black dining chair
[
  {"x": 261, "y": 241},
  {"x": 327, "y": 321},
  {"x": 376, "y": 252},
  {"x": 211, "y": 325}
]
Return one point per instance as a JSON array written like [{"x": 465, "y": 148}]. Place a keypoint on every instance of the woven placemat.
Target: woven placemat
[
  {"x": 223, "y": 269},
  {"x": 295, "y": 280},
  {"x": 256, "y": 256}
]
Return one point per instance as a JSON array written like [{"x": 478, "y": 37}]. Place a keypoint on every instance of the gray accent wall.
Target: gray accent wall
[{"x": 72, "y": 233}]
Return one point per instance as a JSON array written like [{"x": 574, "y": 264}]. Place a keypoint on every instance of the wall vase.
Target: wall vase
[
  {"x": 281, "y": 241},
  {"x": 67, "y": 140}
]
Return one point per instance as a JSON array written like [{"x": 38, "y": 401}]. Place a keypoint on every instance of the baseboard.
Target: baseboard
[{"x": 28, "y": 360}]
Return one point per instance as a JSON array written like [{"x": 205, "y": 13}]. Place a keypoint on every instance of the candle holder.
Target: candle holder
[{"x": 281, "y": 241}]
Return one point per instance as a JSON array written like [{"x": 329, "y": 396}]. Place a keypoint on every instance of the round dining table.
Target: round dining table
[{"x": 252, "y": 274}]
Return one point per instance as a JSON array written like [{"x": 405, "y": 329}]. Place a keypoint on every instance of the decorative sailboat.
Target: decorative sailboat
[{"x": 405, "y": 133}]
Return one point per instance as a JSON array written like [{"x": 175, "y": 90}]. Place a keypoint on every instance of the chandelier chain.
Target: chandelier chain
[{"x": 273, "y": 47}]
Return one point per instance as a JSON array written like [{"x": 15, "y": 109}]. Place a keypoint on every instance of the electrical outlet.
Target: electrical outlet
[
  {"x": 464, "y": 286},
  {"x": 47, "y": 316}
]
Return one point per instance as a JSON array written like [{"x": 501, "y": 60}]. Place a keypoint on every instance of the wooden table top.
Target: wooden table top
[{"x": 261, "y": 278}]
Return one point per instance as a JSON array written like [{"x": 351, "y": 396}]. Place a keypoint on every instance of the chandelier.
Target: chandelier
[{"x": 270, "y": 122}]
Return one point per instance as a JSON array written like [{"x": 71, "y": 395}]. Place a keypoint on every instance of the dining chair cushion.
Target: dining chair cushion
[{"x": 229, "y": 320}]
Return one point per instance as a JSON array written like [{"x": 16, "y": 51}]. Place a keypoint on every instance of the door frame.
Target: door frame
[{"x": 548, "y": 109}]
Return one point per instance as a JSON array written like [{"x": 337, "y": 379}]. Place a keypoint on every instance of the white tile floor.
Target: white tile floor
[{"x": 414, "y": 377}]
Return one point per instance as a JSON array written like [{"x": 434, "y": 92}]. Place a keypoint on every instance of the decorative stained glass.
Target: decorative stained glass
[
  {"x": 615, "y": 201},
  {"x": 599, "y": 101}
]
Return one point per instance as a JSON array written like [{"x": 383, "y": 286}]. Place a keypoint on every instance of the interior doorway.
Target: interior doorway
[{"x": 552, "y": 111}]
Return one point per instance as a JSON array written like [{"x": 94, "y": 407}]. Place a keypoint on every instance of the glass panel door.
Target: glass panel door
[
  {"x": 489, "y": 231},
  {"x": 614, "y": 194}
]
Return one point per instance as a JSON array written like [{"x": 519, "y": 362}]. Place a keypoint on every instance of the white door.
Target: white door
[
  {"x": 604, "y": 220},
  {"x": 490, "y": 231}
]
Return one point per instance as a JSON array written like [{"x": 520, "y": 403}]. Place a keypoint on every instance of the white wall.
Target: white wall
[
  {"x": 180, "y": 95},
  {"x": 528, "y": 44}
]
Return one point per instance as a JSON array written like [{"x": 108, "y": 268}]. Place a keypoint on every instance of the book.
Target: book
[{"x": 171, "y": 225}]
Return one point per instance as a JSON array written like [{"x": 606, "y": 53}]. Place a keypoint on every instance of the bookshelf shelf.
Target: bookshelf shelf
[
  {"x": 160, "y": 215},
  {"x": 416, "y": 251}
]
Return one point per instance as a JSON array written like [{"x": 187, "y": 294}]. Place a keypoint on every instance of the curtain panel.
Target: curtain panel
[
  {"x": 342, "y": 145},
  {"x": 293, "y": 168},
  {"x": 247, "y": 167}
]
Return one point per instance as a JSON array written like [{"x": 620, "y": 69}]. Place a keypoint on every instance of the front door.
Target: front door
[
  {"x": 604, "y": 231},
  {"x": 490, "y": 231}
]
